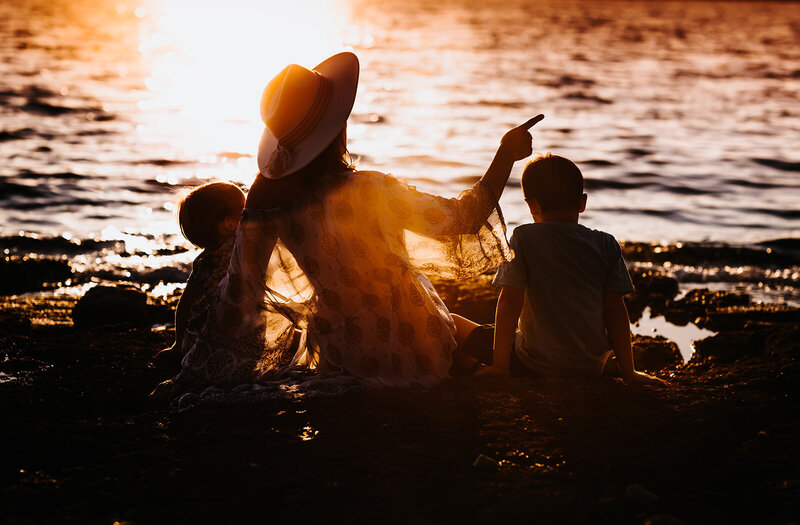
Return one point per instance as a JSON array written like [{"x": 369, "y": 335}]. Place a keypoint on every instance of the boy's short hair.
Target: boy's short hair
[
  {"x": 554, "y": 182},
  {"x": 202, "y": 211}
]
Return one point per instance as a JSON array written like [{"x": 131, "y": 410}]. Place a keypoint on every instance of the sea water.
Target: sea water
[{"x": 683, "y": 116}]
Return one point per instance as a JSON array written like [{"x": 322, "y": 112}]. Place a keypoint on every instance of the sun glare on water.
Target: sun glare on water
[{"x": 209, "y": 61}]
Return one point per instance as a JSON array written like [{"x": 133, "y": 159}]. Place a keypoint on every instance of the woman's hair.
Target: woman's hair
[
  {"x": 554, "y": 182},
  {"x": 202, "y": 211},
  {"x": 333, "y": 159}
]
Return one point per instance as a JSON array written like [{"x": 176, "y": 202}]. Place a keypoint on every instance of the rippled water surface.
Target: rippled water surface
[{"x": 683, "y": 116}]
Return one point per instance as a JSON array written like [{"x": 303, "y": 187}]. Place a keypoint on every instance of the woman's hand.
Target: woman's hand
[{"x": 518, "y": 142}]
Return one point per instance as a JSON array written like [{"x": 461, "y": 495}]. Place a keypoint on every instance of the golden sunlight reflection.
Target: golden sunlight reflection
[{"x": 209, "y": 61}]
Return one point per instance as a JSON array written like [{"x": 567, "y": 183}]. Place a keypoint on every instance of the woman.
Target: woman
[{"x": 327, "y": 267}]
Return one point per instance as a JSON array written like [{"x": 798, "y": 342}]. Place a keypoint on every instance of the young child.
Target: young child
[
  {"x": 561, "y": 308},
  {"x": 208, "y": 217}
]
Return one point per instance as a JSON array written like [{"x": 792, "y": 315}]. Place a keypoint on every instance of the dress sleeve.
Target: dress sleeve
[{"x": 450, "y": 237}]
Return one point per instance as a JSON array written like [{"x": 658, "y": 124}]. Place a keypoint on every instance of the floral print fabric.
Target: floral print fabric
[
  {"x": 335, "y": 282},
  {"x": 208, "y": 269}
]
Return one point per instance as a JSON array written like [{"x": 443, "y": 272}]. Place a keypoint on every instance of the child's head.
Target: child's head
[
  {"x": 551, "y": 183},
  {"x": 210, "y": 213}
]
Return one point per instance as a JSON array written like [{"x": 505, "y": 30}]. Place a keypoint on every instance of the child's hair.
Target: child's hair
[
  {"x": 202, "y": 211},
  {"x": 554, "y": 182}
]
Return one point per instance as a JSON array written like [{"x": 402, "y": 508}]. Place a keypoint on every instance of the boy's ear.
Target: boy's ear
[
  {"x": 533, "y": 206},
  {"x": 583, "y": 203}
]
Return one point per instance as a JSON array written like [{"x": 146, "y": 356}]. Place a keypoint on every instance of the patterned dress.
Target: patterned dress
[
  {"x": 335, "y": 282},
  {"x": 208, "y": 269}
]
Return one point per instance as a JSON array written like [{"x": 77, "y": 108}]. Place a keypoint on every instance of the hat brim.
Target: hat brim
[{"x": 342, "y": 71}]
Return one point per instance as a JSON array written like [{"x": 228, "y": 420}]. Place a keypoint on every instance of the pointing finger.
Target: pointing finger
[{"x": 529, "y": 124}]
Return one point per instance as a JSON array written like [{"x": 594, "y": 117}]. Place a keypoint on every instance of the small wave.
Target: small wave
[
  {"x": 580, "y": 95},
  {"x": 19, "y": 134},
  {"x": 598, "y": 162},
  {"x": 606, "y": 184},
  {"x": 28, "y": 174},
  {"x": 686, "y": 190},
  {"x": 637, "y": 152},
  {"x": 23, "y": 244},
  {"x": 12, "y": 189},
  {"x": 511, "y": 104},
  {"x": 641, "y": 211},
  {"x": 781, "y": 165},
  {"x": 644, "y": 175},
  {"x": 783, "y": 214},
  {"x": 567, "y": 80},
  {"x": 754, "y": 185},
  {"x": 93, "y": 132},
  {"x": 165, "y": 162},
  {"x": 43, "y": 108}
]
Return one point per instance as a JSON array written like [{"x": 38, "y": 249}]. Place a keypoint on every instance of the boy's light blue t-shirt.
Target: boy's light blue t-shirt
[{"x": 564, "y": 268}]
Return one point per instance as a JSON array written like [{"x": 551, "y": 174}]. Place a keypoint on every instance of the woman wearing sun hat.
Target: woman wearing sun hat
[{"x": 328, "y": 263}]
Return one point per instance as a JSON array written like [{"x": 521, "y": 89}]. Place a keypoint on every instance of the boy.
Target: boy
[
  {"x": 564, "y": 289},
  {"x": 208, "y": 217}
]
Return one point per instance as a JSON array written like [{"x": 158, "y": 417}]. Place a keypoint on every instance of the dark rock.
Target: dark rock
[
  {"x": 111, "y": 305},
  {"x": 710, "y": 254},
  {"x": 784, "y": 341},
  {"x": 23, "y": 274},
  {"x": 655, "y": 353},
  {"x": 663, "y": 519},
  {"x": 636, "y": 492},
  {"x": 161, "y": 313},
  {"x": 14, "y": 322},
  {"x": 734, "y": 318},
  {"x": 700, "y": 303},
  {"x": 166, "y": 274},
  {"x": 730, "y": 346},
  {"x": 651, "y": 289}
]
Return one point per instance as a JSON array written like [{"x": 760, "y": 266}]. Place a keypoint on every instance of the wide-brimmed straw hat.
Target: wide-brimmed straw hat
[{"x": 304, "y": 110}]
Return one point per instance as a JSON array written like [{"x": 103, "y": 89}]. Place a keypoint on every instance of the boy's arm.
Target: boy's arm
[
  {"x": 509, "y": 306},
  {"x": 618, "y": 325}
]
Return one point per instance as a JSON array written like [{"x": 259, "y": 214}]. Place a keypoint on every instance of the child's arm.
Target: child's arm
[
  {"x": 618, "y": 325},
  {"x": 171, "y": 356},
  {"x": 509, "y": 306},
  {"x": 183, "y": 311}
]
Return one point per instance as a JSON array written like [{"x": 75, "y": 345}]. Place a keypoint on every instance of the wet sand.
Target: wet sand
[{"x": 81, "y": 444}]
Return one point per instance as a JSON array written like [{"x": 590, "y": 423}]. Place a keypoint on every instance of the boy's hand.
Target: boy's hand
[
  {"x": 518, "y": 142},
  {"x": 493, "y": 370},
  {"x": 641, "y": 378}
]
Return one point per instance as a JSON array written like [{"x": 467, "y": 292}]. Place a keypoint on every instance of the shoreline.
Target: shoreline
[{"x": 720, "y": 445}]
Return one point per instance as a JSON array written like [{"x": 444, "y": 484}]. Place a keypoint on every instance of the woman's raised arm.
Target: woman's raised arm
[{"x": 515, "y": 145}]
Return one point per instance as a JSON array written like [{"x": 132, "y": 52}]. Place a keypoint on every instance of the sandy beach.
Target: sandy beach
[{"x": 82, "y": 444}]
